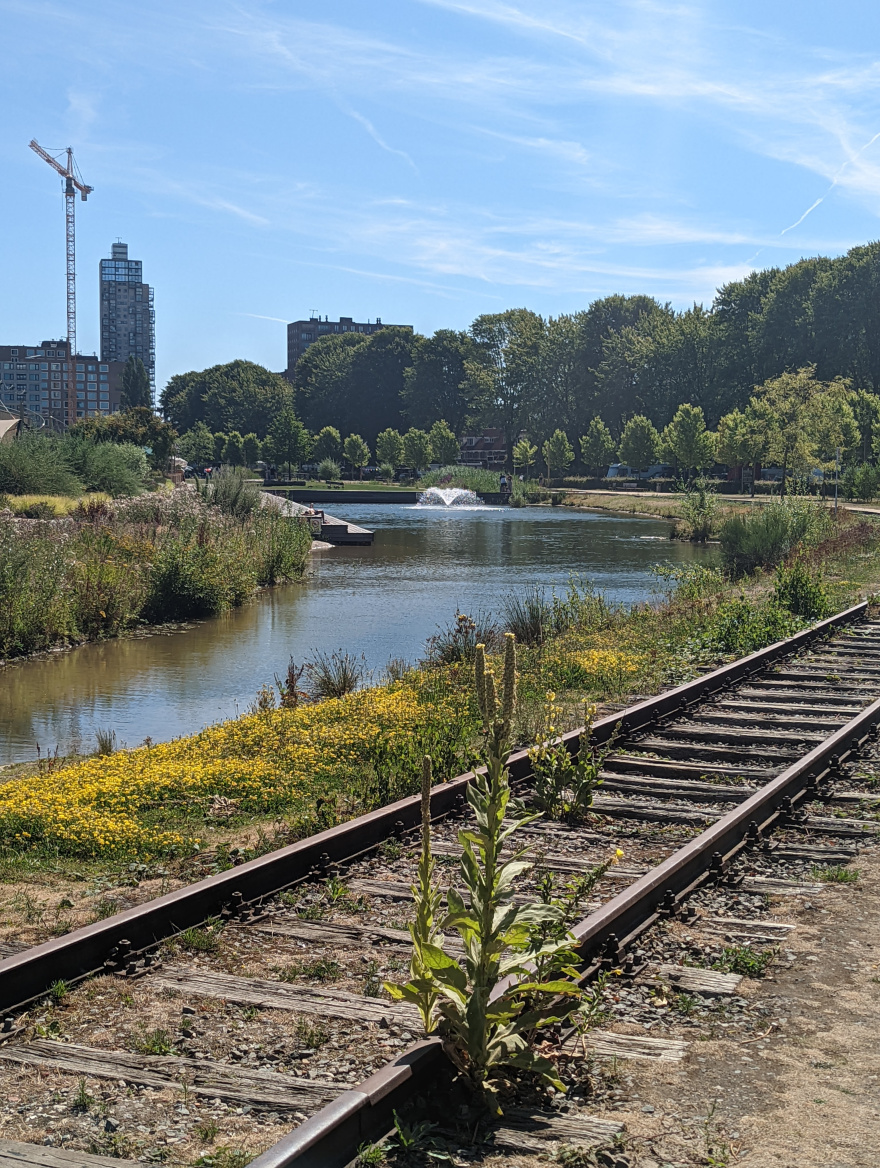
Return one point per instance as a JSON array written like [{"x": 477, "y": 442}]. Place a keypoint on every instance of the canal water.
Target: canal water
[{"x": 384, "y": 602}]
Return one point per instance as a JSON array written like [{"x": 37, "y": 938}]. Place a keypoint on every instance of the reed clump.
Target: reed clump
[{"x": 110, "y": 565}]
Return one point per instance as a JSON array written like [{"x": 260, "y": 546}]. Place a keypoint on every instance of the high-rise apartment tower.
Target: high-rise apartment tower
[{"x": 128, "y": 320}]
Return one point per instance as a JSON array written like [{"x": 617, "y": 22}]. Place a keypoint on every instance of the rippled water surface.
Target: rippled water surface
[{"x": 383, "y": 601}]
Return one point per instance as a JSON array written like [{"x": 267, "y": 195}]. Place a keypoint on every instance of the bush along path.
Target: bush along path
[{"x": 273, "y": 1008}]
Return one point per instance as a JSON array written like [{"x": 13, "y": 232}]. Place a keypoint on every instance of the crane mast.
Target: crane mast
[{"x": 72, "y": 183}]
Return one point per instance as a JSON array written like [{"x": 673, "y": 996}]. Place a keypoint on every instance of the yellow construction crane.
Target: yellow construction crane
[{"x": 72, "y": 183}]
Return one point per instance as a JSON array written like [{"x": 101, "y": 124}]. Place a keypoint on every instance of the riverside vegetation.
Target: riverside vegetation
[
  {"x": 293, "y": 765},
  {"x": 109, "y": 565}
]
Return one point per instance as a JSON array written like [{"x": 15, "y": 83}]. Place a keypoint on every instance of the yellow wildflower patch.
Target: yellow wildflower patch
[{"x": 134, "y": 801}]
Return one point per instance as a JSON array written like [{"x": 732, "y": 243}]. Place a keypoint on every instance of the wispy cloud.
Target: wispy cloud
[
  {"x": 259, "y": 316},
  {"x": 377, "y": 137}
]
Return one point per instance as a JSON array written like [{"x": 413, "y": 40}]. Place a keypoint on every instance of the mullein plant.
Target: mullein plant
[
  {"x": 490, "y": 1011},
  {"x": 565, "y": 783}
]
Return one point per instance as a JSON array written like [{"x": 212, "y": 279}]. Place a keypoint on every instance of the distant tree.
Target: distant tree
[
  {"x": 558, "y": 452},
  {"x": 686, "y": 442},
  {"x": 238, "y": 396},
  {"x": 524, "y": 455},
  {"x": 233, "y": 451},
  {"x": 328, "y": 444},
  {"x": 357, "y": 452},
  {"x": 354, "y": 381},
  {"x": 289, "y": 441},
  {"x": 437, "y": 384},
  {"x": 197, "y": 446},
  {"x": 504, "y": 375},
  {"x": 597, "y": 446},
  {"x": 253, "y": 448},
  {"x": 444, "y": 444},
  {"x": 138, "y": 426},
  {"x": 219, "y": 447},
  {"x": 741, "y": 439},
  {"x": 638, "y": 443},
  {"x": 389, "y": 448},
  {"x": 135, "y": 385},
  {"x": 866, "y": 410},
  {"x": 416, "y": 449}
]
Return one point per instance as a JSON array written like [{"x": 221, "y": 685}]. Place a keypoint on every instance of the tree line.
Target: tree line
[{"x": 621, "y": 359}]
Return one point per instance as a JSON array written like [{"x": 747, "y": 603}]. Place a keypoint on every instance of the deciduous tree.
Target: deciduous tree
[
  {"x": 558, "y": 452},
  {"x": 598, "y": 446},
  {"x": 389, "y": 448},
  {"x": 416, "y": 449},
  {"x": 357, "y": 452},
  {"x": 444, "y": 444},
  {"x": 639, "y": 443}
]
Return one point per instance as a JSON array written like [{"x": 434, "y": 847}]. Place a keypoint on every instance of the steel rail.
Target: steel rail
[{"x": 129, "y": 936}]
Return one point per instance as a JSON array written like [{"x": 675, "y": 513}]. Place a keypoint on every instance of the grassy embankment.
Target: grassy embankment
[
  {"x": 110, "y": 565},
  {"x": 180, "y": 810}
]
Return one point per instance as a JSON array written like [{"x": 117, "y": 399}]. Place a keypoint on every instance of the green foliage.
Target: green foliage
[
  {"x": 801, "y": 591},
  {"x": 356, "y": 451},
  {"x": 443, "y": 443},
  {"x": 529, "y": 615},
  {"x": 137, "y": 426},
  {"x": 835, "y": 874},
  {"x": 233, "y": 449},
  {"x": 389, "y": 448},
  {"x": 333, "y": 675},
  {"x": 117, "y": 469},
  {"x": 744, "y": 960},
  {"x": 156, "y": 1041},
  {"x": 860, "y": 482},
  {"x": 565, "y": 782},
  {"x": 252, "y": 449},
  {"x": 686, "y": 442},
  {"x": 743, "y": 626},
  {"x": 438, "y": 384},
  {"x": 135, "y": 385},
  {"x": 700, "y": 509},
  {"x": 639, "y": 443},
  {"x": 232, "y": 493},
  {"x": 327, "y": 444},
  {"x": 485, "y": 1025},
  {"x": 558, "y": 452},
  {"x": 34, "y": 465},
  {"x": 197, "y": 446},
  {"x": 524, "y": 455},
  {"x": 204, "y": 939},
  {"x": 416, "y": 449},
  {"x": 238, "y": 396},
  {"x": 767, "y": 535},
  {"x": 289, "y": 442},
  {"x": 329, "y": 470},
  {"x": 598, "y": 446},
  {"x": 457, "y": 641}
]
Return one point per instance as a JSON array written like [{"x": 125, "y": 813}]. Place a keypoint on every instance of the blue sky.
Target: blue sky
[{"x": 425, "y": 160}]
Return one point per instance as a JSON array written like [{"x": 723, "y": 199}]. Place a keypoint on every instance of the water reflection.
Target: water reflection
[{"x": 383, "y": 601}]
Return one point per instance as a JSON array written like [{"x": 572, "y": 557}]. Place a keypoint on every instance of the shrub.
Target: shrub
[
  {"x": 700, "y": 512},
  {"x": 801, "y": 591},
  {"x": 34, "y": 465},
  {"x": 334, "y": 675},
  {"x": 766, "y": 536},
  {"x": 329, "y": 470},
  {"x": 119, "y": 469},
  {"x": 232, "y": 492},
  {"x": 458, "y": 640},
  {"x": 529, "y": 615},
  {"x": 741, "y": 626}
]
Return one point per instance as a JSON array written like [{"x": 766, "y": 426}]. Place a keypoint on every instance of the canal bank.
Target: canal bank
[{"x": 377, "y": 603}]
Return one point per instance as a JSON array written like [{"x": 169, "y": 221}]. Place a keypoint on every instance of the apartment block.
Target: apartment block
[
  {"x": 128, "y": 317},
  {"x": 41, "y": 379},
  {"x": 302, "y": 333}
]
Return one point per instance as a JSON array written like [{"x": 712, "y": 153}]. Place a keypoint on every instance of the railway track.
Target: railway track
[{"x": 272, "y": 1013}]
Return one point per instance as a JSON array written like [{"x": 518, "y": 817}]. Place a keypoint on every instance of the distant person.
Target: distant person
[{"x": 503, "y": 483}]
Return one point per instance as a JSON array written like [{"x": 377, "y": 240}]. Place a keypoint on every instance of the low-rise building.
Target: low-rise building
[
  {"x": 302, "y": 333},
  {"x": 487, "y": 450},
  {"x": 43, "y": 380}
]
